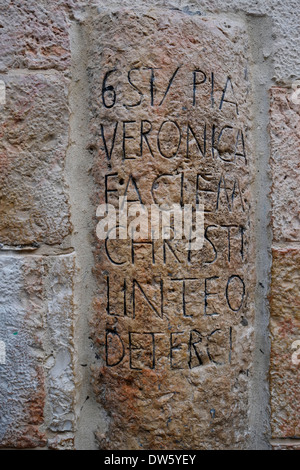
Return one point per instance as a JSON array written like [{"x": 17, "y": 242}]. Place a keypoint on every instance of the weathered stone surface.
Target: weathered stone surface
[
  {"x": 34, "y": 35},
  {"x": 36, "y": 324},
  {"x": 62, "y": 442},
  {"x": 285, "y": 354},
  {"x": 281, "y": 19},
  {"x": 34, "y": 139},
  {"x": 59, "y": 332},
  {"x": 170, "y": 124},
  {"x": 285, "y": 156},
  {"x": 282, "y": 445}
]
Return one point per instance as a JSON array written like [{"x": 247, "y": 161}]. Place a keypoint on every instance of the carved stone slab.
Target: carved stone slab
[{"x": 170, "y": 124}]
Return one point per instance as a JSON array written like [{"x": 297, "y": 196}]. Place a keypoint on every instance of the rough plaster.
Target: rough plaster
[
  {"x": 37, "y": 380},
  {"x": 261, "y": 71},
  {"x": 78, "y": 167}
]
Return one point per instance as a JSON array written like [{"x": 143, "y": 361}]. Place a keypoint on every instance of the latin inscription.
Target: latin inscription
[
  {"x": 213, "y": 149},
  {"x": 173, "y": 135}
]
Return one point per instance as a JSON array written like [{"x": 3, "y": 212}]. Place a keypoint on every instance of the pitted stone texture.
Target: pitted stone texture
[
  {"x": 285, "y": 157},
  {"x": 37, "y": 381},
  {"x": 34, "y": 138},
  {"x": 173, "y": 330},
  {"x": 284, "y": 25},
  {"x": 63, "y": 441},
  {"x": 285, "y": 331},
  {"x": 59, "y": 332},
  {"x": 34, "y": 35}
]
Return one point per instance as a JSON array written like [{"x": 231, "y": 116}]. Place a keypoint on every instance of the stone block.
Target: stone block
[
  {"x": 34, "y": 35},
  {"x": 36, "y": 325},
  {"x": 285, "y": 333},
  {"x": 285, "y": 170},
  {"x": 34, "y": 138},
  {"x": 170, "y": 124}
]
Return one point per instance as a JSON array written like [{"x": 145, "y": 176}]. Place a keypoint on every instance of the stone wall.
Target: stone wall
[{"x": 148, "y": 343}]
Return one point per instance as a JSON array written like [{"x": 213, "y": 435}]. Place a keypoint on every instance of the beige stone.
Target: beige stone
[
  {"x": 285, "y": 154},
  {"x": 169, "y": 102},
  {"x": 34, "y": 35},
  {"x": 285, "y": 324},
  {"x": 34, "y": 138}
]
